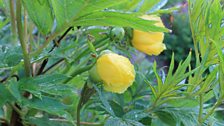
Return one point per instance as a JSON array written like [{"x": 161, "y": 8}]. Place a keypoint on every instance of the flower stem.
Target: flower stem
[
  {"x": 86, "y": 93},
  {"x": 21, "y": 38},
  {"x": 13, "y": 19},
  {"x": 79, "y": 71}
]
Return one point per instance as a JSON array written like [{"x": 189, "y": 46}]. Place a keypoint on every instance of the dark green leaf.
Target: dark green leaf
[
  {"x": 49, "y": 84},
  {"x": 10, "y": 56},
  {"x": 5, "y": 95},
  {"x": 49, "y": 105},
  {"x": 118, "y": 110},
  {"x": 104, "y": 101}
]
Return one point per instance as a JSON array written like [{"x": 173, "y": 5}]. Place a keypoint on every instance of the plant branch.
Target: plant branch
[
  {"x": 13, "y": 18},
  {"x": 16, "y": 116},
  {"x": 53, "y": 65},
  {"x": 21, "y": 38},
  {"x": 49, "y": 39},
  {"x": 55, "y": 45},
  {"x": 79, "y": 71},
  {"x": 85, "y": 96},
  {"x": 5, "y": 79},
  {"x": 86, "y": 50}
]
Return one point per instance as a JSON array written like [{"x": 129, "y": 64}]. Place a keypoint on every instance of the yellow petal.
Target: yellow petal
[
  {"x": 154, "y": 49},
  {"x": 116, "y": 71},
  {"x": 150, "y": 43}
]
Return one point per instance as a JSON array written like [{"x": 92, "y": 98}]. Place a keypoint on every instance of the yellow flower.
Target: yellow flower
[
  {"x": 116, "y": 72},
  {"x": 150, "y": 43}
]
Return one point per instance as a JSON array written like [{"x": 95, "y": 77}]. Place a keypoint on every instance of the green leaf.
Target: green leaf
[
  {"x": 3, "y": 23},
  {"x": 183, "y": 102},
  {"x": 5, "y": 95},
  {"x": 40, "y": 13},
  {"x": 166, "y": 118},
  {"x": 158, "y": 5},
  {"x": 135, "y": 115},
  {"x": 10, "y": 56},
  {"x": 121, "y": 122},
  {"x": 159, "y": 80},
  {"x": 49, "y": 105},
  {"x": 49, "y": 84},
  {"x": 152, "y": 88},
  {"x": 115, "y": 122},
  {"x": 67, "y": 10},
  {"x": 46, "y": 121},
  {"x": 118, "y": 110},
  {"x": 110, "y": 18},
  {"x": 171, "y": 116},
  {"x": 104, "y": 101},
  {"x": 13, "y": 88}
]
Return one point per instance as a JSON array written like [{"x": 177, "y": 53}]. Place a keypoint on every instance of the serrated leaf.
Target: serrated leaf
[
  {"x": 49, "y": 84},
  {"x": 49, "y": 105},
  {"x": 104, "y": 101}
]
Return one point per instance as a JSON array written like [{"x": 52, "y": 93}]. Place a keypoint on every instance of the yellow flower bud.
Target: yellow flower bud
[
  {"x": 150, "y": 43},
  {"x": 116, "y": 72}
]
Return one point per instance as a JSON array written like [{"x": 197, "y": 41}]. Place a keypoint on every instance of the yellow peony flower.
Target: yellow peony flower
[
  {"x": 150, "y": 43},
  {"x": 116, "y": 72}
]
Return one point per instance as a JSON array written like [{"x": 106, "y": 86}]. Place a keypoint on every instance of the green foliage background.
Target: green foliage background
[{"x": 184, "y": 95}]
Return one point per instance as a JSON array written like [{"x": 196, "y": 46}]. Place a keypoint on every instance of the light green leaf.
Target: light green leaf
[
  {"x": 40, "y": 13},
  {"x": 109, "y": 18},
  {"x": 67, "y": 10}
]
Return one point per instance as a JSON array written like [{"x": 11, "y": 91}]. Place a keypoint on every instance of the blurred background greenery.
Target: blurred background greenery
[
  {"x": 138, "y": 96},
  {"x": 179, "y": 40}
]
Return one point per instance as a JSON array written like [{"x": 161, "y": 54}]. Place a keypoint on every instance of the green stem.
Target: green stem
[
  {"x": 25, "y": 26},
  {"x": 200, "y": 109},
  {"x": 78, "y": 111},
  {"x": 154, "y": 104},
  {"x": 13, "y": 19},
  {"x": 79, "y": 71},
  {"x": 86, "y": 93},
  {"x": 98, "y": 44},
  {"x": 21, "y": 38},
  {"x": 85, "y": 51},
  {"x": 49, "y": 39}
]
